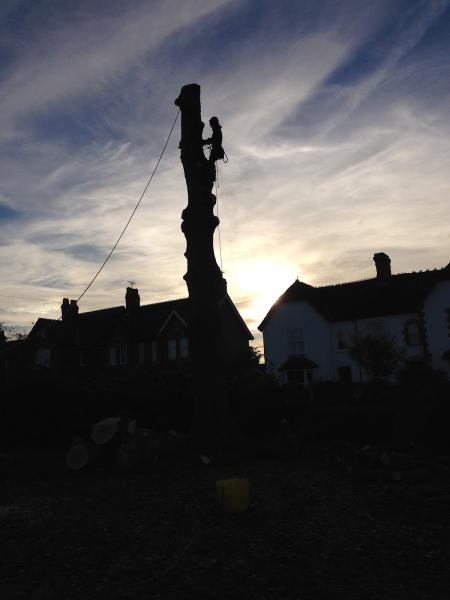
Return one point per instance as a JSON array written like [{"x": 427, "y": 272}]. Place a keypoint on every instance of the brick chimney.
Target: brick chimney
[
  {"x": 69, "y": 310},
  {"x": 383, "y": 266},
  {"x": 132, "y": 299}
]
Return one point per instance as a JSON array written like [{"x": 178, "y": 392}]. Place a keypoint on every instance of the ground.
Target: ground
[{"x": 313, "y": 531}]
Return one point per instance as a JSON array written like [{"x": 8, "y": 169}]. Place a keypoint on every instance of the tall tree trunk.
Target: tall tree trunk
[{"x": 204, "y": 279}]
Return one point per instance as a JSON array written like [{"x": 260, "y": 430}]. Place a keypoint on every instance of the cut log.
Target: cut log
[
  {"x": 82, "y": 453},
  {"x": 129, "y": 426},
  {"x": 104, "y": 431}
]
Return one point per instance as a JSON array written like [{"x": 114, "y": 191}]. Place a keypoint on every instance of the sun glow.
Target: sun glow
[{"x": 261, "y": 282}]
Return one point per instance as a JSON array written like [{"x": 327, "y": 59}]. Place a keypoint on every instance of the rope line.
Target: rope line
[
  {"x": 217, "y": 207},
  {"x": 118, "y": 239},
  {"x": 134, "y": 210}
]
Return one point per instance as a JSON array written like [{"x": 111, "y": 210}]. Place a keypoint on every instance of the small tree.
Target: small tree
[{"x": 378, "y": 355}]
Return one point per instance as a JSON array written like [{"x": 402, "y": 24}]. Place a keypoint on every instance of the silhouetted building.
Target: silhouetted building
[
  {"x": 307, "y": 332},
  {"x": 129, "y": 339}
]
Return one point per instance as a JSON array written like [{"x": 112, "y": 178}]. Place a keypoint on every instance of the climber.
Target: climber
[{"x": 215, "y": 141}]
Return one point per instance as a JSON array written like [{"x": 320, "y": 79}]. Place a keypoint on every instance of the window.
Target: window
[
  {"x": 141, "y": 353},
  {"x": 113, "y": 356},
  {"x": 118, "y": 354},
  {"x": 184, "y": 347},
  {"x": 412, "y": 333},
  {"x": 171, "y": 349},
  {"x": 375, "y": 327},
  {"x": 122, "y": 353},
  {"x": 342, "y": 343},
  {"x": 295, "y": 340},
  {"x": 154, "y": 351},
  {"x": 42, "y": 358}
]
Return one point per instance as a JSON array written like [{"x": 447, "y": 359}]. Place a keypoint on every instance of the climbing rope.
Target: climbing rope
[
  {"x": 121, "y": 234},
  {"x": 134, "y": 210},
  {"x": 217, "y": 210}
]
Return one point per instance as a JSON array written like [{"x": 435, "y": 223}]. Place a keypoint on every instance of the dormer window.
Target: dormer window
[
  {"x": 184, "y": 347},
  {"x": 172, "y": 349},
  {"x": 177, "y": 348}
]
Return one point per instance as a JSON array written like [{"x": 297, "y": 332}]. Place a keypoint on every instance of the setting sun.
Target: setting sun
[{"x": 262, "y": 282}]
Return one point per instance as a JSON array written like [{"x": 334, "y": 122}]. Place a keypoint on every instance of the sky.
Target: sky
[{"x": 336, "y": 122}]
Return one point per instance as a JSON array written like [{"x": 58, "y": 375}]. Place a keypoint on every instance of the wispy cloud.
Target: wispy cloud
[{"x": 335, "y": 119}]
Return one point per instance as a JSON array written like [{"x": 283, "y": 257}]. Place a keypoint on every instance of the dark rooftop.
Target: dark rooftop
[{"x": 401, "y": 293}]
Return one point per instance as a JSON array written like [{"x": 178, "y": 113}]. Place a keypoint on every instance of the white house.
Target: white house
[{"x": 308, "y": 329}]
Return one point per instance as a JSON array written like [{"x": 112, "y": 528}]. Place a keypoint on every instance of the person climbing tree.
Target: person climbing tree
[{"x": 215, "y": 141}]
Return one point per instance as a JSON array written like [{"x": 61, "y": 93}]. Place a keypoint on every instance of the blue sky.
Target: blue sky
[{"x": 336, "y": 121}]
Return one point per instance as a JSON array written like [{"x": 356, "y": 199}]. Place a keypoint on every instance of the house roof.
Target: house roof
[
  {"x": 98, "y": 325},
  {"x": 398, "y": 294},
  {"x": 50, "y": 329}
]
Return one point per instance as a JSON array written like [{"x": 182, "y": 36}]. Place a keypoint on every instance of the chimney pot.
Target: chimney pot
[
  {"x": 69, "y": 310},
  {"x": 132, "y": 299},
  {"x": 383, "y": 266}
]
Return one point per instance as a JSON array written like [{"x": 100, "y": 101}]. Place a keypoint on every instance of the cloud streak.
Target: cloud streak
[{"x": 336, "y": 148}]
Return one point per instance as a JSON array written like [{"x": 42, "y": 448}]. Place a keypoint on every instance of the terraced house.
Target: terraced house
[{"x": 130, "y": 338}]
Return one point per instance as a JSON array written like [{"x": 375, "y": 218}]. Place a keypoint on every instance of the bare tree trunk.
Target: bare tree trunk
[{"x": 204, "y": 279}]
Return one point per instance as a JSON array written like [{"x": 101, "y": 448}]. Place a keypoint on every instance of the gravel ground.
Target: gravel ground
[{"x": 313, "y": 531}]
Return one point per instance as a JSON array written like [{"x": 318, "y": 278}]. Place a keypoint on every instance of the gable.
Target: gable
[{"x": 173, "y": 322}]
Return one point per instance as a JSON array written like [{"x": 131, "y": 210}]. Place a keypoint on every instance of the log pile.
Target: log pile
[{"x": 123, "y": 443}]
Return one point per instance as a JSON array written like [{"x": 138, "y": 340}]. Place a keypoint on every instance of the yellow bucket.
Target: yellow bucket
[{"x": 233, "y": 494}]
